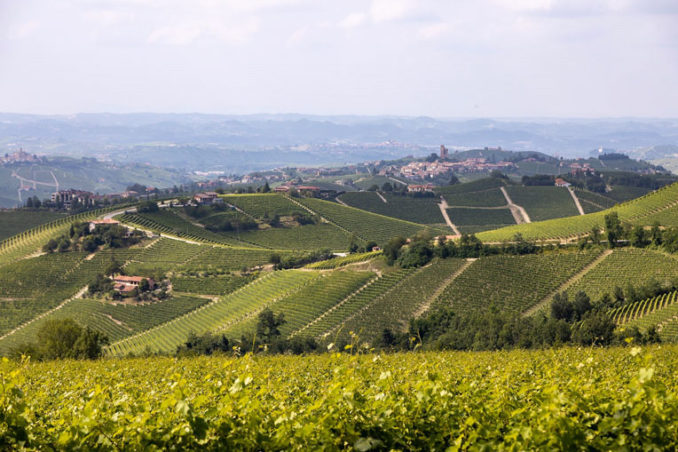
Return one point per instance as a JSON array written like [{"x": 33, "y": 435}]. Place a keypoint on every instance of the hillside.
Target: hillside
[
  {"x": 659, "y": 205},
  {"x": 21, "y": 180},
  {"x": 219, "y": 278}
]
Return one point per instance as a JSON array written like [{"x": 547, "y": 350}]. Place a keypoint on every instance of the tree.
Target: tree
[
  {"x": 638, "y": 237},
  {"x": 656, "y": 234},
  {"x": 613, "y": 229},
  {"x": 144, "y": 285},
  {"x": 454, "y": 180},
  {"x": 65, "y": 339},
  {"x": 392, "y": 249},
  {"x": 595, "y": 235},
  {"x": 596, "y": 329},
  {"x": 387, "y": 187},
  {"x": 561, "y": 308},
  {"x": 268, "y": 325},
  {"x": 581, "y": 305},
  {"x": 266, "y": 188}
]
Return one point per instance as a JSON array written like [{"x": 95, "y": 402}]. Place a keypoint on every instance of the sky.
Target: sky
[{"x": 454, "y": 58}]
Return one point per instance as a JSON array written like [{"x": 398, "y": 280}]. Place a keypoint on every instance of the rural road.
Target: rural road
[
  {"x": 576, "y": 200},
  {"x": 443, "y": 209},
  {"x": 519, "y": 214}
]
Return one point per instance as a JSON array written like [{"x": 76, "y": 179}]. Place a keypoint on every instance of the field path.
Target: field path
[
  {"x": 341, "y": 202},
  {"x": 382, "y": 197},
  {"x": 567, "y": 284},
  {"x": 427, "y": 303},
  {"x": 443, "y": 210},
  {"x": 519, "y": 214},
  {"x": 576, "y": 200}
]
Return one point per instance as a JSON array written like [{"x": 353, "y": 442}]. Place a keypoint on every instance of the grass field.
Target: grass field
[{"x": 565, "y": 399}]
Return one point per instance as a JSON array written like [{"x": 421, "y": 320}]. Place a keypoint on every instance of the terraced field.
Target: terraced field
[
  {"x": 512, "y": 283},
  {"x": 366, "y": 225},
  {"x": 236, "y": 307},
  {"x": 626, "y": 266},
  {"x": 643, "y": 211},
  {"x": 416, "y": 210},
  {"x": 543, "y": 203},
  {"x": 660, "y": 312}
]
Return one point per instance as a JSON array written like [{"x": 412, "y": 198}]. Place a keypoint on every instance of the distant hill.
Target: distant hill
[{"x": 20, "y": 180}]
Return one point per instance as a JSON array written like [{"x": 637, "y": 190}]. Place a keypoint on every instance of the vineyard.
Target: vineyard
[
  {"x": 635, "y": 311},
  {"x": 569, "y": 399},
  {"x": 394, "y": 309},
  {"x": 344, "y": 260},
  {"x": 462, "y": 216},
  {"x": 31, "y": 240},
  {"x": 543, "y": 203},
  {"x": 366, "y": 225},
  {"x": 416, "y": 210},
  {"x": 167, "y": 222},
  {"x": 13, "y": 222},
  {"x": 511, "y": 283},
  {"x": 492, "y": 197},
  {"x": 117, "y": 321},
  {"x": 311, "y": 301},
  {"x": 626, "y": 266},
  {"x": 210, "y": 285},
  {"x": 217, "y": 315},
  {"x": 306, "y": 237},
  {"x": 330, "y": 322},
  {"x": 263, "y": 205},
  {"x": 593, "y": 202},
  {"x": 478, "y": 185},
  {"x": 644, "y": 210}
]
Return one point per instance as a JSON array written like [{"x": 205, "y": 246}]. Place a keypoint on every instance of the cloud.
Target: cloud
[
  {"x": 23, "y": 30},
  {"x": 175, "y": 35},
  {"x": 391, "y": 10},
  {"x": 433, "y": 31},
  {"x": 353, "y": 20}
]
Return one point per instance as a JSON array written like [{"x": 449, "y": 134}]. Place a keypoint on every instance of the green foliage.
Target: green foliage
[
  {"x": 65, "y": 339},
  {"x": 422, "y": 210},
  {"x": 570, "y": 400}
]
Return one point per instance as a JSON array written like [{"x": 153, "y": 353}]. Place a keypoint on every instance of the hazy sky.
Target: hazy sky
[{"x": 470, "y": 58}]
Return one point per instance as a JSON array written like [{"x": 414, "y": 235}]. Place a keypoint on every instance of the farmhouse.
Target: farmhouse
[
  {"x": 126, "y": 284},
  {"x": 105, "y": 222},
  {"x": 420, "y": 188},
  {"x": 208, "y": 198},
  {"x": 561, "y": 182}
]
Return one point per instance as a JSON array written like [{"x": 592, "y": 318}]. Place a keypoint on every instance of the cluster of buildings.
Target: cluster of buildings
[
  {"x": 429, "y": 170},
  {"x": 68, "y": 198},
  {"x": 19, "y": 156}
]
